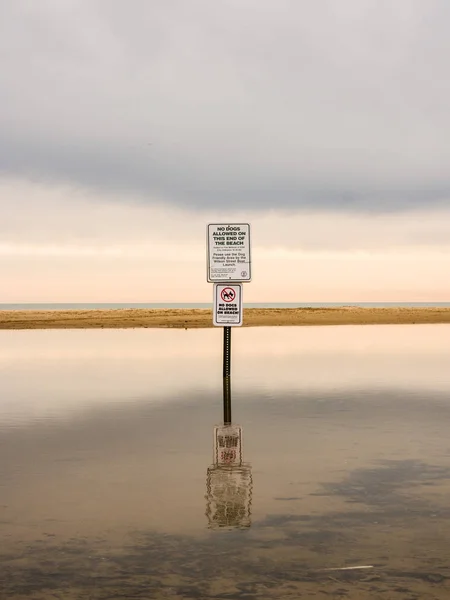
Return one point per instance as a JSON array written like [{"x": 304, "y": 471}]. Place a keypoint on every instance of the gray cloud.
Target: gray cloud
[{"x": 254, "y": 104}]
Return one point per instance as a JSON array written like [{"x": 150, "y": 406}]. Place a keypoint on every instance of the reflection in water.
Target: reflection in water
[
  {"x": 94, "y": 453},
  {"x": 229, "y": 481}
]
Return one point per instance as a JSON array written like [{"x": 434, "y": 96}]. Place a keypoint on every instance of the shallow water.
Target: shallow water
[{"x": 108, "y": 481}]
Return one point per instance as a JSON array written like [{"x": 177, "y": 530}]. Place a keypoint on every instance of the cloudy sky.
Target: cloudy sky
[{"x": 126, "y": 127}]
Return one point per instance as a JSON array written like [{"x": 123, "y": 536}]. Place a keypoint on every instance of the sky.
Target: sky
[{"x": 126, "y": 127}]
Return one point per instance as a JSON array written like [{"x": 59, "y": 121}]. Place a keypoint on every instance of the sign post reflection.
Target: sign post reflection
[{"x": 229, "y": 481}]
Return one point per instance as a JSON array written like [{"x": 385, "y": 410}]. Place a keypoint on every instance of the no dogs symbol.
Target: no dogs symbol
[{"x": 228, "y": 294}]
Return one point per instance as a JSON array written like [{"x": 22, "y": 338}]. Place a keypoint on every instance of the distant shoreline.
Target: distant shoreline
[
  {"x": 195, "y": 318},
  {"x": 39, "y": 306}
]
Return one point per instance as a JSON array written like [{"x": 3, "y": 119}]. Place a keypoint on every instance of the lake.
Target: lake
[{"x": 112, "y": 483}]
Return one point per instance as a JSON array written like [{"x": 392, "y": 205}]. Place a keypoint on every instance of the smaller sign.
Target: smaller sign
[{"x": 227, "y": 304}]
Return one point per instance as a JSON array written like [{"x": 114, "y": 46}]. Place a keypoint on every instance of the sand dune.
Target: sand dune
[{"x": 199, "y": 318}]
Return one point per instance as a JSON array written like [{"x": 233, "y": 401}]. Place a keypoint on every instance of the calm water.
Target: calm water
[
  {"x": 110, "y": 305},
  {"x": 110, "y": 487}
]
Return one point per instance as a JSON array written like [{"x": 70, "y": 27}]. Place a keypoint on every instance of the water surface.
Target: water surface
[{"x": 108, "y": 481}]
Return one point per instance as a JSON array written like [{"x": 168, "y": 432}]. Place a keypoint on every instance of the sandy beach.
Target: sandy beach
[{"x": 201, "y": 318}]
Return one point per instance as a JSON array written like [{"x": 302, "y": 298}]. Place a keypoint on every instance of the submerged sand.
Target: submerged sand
[{"x": 201, "y": 318}]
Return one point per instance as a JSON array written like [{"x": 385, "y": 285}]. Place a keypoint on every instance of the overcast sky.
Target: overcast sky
[{"x": 126, "y": 127}]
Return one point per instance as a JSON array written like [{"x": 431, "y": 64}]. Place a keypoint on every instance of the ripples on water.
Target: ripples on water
[{"x": 117, "y": 478}]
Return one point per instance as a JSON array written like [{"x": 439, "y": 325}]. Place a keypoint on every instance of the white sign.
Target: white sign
[
  {"x": 227, "y": 304},
  {"x": 229, "y": 252}
]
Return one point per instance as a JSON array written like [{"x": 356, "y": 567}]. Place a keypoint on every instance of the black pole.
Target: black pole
[
  {"x": 226, "y": 351},
  {"x": 226, "y": 375}
]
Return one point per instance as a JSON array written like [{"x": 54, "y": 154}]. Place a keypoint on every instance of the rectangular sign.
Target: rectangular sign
[
  {"x": 228, "y": 252},
  {"x": 227, "y": 304}
]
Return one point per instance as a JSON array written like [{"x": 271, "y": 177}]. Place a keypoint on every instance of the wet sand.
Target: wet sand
[{"x": 201, "y": 318}]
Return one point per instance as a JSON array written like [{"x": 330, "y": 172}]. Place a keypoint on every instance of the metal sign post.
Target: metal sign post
[
  {"x": 228, "y": 266},
  {"x": 227, "y": 375},
  {"x": 229, "y": 481}
]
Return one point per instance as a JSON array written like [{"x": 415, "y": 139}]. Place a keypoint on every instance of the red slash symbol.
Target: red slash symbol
[{"x": 228, "y": 294}]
